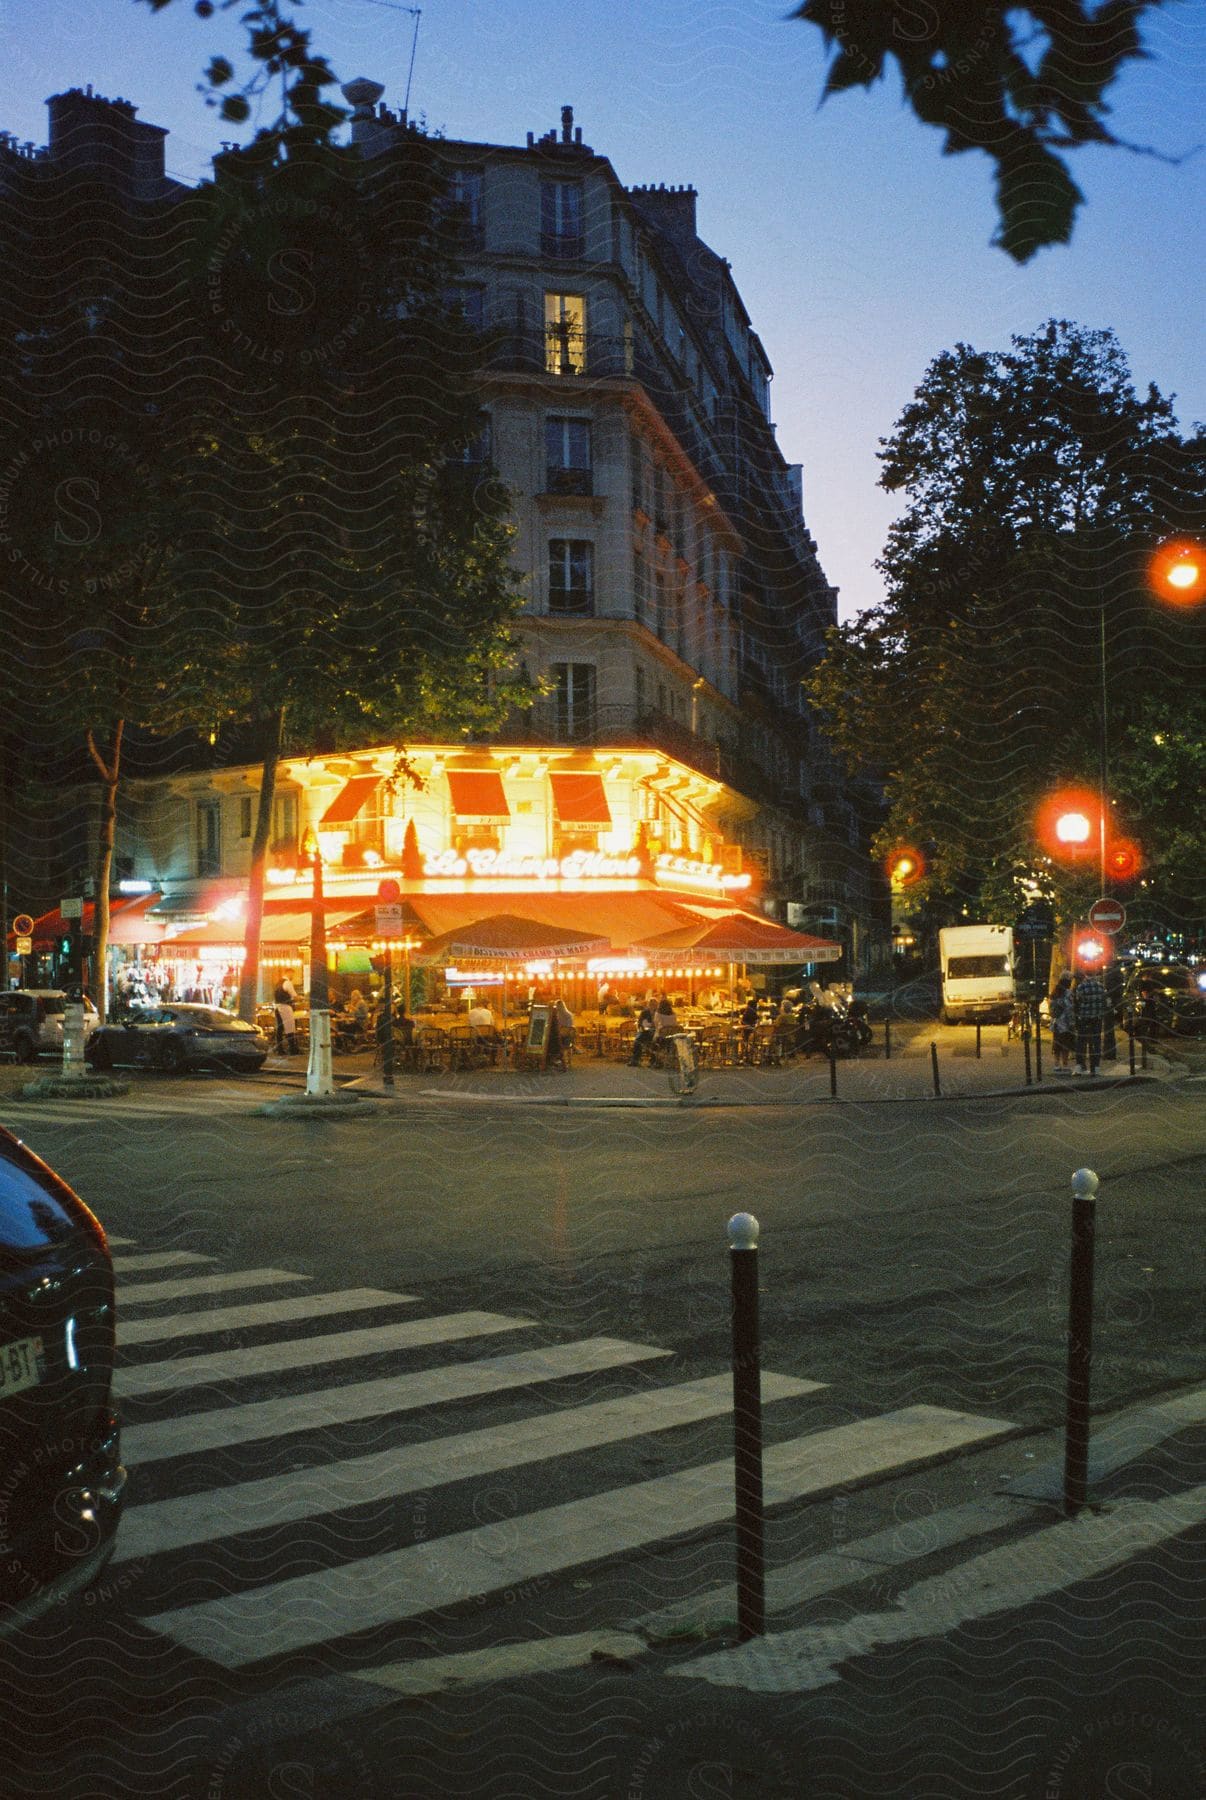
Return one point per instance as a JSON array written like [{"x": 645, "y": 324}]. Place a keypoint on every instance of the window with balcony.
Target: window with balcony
[
  {"x": 574, "y": 708},
  {"x": 462, "y": 206},
  {"x": 567, "y": 456},
  {"x": 565, "y": 334},
  {"x": 561, "y": 231},
  {"x": 477, "y": 449},
  {"x": 571, "y": 576}
]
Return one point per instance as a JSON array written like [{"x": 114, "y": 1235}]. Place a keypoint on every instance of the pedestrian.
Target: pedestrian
[
  {"x": 1091, "y": 1004},
  {"x": 1063, "y": 1025},
  {"x": 284, "y": 1001},
  {"x": 643, "y": 1042}
]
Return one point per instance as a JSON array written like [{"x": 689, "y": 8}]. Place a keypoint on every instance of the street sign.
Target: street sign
[
  {"x": 389, "y": 890},
  {"x": 23, "y": 926},
  {"x": 389, "y": 921},
  {"x": 24, "y": 946},
  {"x": 1037, "y": 921},
  {"x": 71, "y": 909},
  {"x": 1107, "y": 915}
]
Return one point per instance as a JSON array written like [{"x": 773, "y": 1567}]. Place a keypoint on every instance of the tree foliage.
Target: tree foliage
[
  {"x": 1021, "y": 83},
  {"x": 1037, "y": 484}
]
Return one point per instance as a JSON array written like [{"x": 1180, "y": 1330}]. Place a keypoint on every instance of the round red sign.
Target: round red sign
[
  {"x": 388, "y": 891},
  {"x": 1107, "y": 915}
]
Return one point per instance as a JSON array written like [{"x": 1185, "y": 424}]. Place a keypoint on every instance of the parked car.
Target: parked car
[
  {"x": 1165, "y": 997},
  {"x": 31, "y": 1021},
  {"x": 178, "y": 1037},
  {"x": 62, "y": 1477}
]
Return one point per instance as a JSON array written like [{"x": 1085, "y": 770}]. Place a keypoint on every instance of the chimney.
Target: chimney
[
  {"x": 362, "y": 96},
  {"x": 567, "y": 124}
]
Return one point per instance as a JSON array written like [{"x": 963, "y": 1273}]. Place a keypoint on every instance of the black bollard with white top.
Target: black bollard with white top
[
  {"x": 747, "y": 1427},
  {"x": 1080, "y": 1339}
]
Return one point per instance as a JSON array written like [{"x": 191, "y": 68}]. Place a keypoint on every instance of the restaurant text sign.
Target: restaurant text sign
[{"x": 580, "y": 865}]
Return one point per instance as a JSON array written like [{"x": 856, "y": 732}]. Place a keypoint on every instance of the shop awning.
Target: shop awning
[
  {"x": 477, "y": 796},
  {"x": 291, "y": 928},
  {"x": 351, "y": 797},
  {"x": 504, "y": 937},
  {"x": 128, "y": 923},
  {"x": 580, "y": 799}
]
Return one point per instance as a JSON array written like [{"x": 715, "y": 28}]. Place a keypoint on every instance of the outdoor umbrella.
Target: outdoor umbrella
[
  {"x": 744, "y": 938},
  {"x": 506, "y": 938}
]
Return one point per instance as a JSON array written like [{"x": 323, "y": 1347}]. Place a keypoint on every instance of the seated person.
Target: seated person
[
  {"x": 644, "y": 1035},
  {"x": 481, "y": 1020}
]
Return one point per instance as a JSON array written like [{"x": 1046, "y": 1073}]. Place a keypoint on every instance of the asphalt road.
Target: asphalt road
[{"x": 911, "y": 1254}]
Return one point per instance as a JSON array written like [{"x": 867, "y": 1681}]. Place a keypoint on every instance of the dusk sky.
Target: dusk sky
[{"x": 860, "y": 250}]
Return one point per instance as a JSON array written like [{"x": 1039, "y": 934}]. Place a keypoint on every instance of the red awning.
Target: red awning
[
  {"x": 743, "y": 938},
  {"x": 580, "y": 799},
  {"x": 128, "y": 923},
  {"x": 477, "y": 796},
  {"x": 350, "y": 799}
]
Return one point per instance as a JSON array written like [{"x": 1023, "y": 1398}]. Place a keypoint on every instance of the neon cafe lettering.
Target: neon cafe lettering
[
  {"x": 699, "y": 874},
  {"x": 582, "y": 865}
]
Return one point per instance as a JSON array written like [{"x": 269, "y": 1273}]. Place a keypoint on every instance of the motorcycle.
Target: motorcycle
[{"x": 824, "y": 1021}]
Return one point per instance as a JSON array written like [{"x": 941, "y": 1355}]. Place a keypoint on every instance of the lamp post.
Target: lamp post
[{"x": 319, "y": 1080}]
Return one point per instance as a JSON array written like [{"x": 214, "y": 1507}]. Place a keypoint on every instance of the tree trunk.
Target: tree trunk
[
  {"x": 110, "y": 772},
  {"x": 249, "y": 975}
]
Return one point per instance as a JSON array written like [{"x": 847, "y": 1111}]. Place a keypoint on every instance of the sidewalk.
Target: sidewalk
[{"x": 871, "y": 1078}]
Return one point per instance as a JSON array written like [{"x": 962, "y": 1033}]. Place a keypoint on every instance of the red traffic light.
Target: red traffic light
[
  {"x": 904, "y": 866},
  {"x": 1123, "y": 860}
]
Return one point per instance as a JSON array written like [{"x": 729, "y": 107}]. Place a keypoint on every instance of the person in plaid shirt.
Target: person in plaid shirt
[{"x": 1091, "y": 1003}]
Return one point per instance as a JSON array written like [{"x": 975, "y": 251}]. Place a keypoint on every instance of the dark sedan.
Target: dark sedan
[
  {"x": 1165, "y": 998},
  {"x": 61, "y": 1477},
  {"x": 179, "y": 1037}
]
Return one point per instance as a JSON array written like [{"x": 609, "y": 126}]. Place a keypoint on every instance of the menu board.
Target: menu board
[{"x": 538, "y": 1034}]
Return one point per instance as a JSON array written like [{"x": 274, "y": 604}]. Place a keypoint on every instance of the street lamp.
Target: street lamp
[{"x": 319, "y": 1079}]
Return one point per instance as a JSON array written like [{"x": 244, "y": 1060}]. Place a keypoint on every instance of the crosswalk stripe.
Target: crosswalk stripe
[
  {"x": 119, "y": 1243},
  {"x": 226, "y": 1426},
  {"x": 260, "y": 1312},
  {"x": 147, "y": 1293},
  {"x": 146, "y": 1260},
  {"x": 792, "y": 1584},
  {"x": 412, "y": 1468},
  {"x": 400, "y": 1584},
  {"x": 142, "y": 1379},
  {"x": 1001, "y": 1580}
]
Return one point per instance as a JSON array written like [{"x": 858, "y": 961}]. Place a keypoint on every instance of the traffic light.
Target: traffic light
[
  {"x": 904, "y": 866},
  {"x": 1123, "y": 860},
  {"x": 63, "y": 945}
]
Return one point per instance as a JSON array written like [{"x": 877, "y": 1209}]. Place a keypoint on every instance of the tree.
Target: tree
[
  {"x": 1019, "y": 82},
  {"x": 1037, "y": 483},
  {"x": 95, "y": 436},
  {"x": 350, "y": 543}
]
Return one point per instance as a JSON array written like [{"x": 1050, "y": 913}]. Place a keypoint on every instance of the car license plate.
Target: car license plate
[{"x": 21, "y": 1365}]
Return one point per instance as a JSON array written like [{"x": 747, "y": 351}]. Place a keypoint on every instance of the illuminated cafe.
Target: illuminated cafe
[{"x": 623, "y": 845}]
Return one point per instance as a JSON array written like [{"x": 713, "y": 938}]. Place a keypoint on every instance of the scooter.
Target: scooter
[{"x": 822, "y": 1022}]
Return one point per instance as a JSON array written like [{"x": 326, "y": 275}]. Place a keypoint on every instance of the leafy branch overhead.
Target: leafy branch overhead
[{"x": 1022, "y": 83}]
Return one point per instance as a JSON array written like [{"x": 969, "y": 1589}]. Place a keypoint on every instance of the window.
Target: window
[
  {"x": 565, "y": 334},
  {"x": 469, "y": 300},
  {"x": 284, "y": 822},
  {"x": 574, "y": 701},
  {"x": 571, "y": 576},
  {"x": 561, "y": 218},
  {"x": 209, "y": 837},
  {"x": 637, "y": 466},
  {"x": 477, "y": 449},
  {"x": 462, "y": 207},
  {"x": 246, "y": 815},
  {"x": 567, "y": 456}
]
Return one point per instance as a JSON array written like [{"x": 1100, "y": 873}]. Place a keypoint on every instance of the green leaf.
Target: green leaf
[
  {"x": 235, "y": 108},
  {"x": 1036, "y": 199}
]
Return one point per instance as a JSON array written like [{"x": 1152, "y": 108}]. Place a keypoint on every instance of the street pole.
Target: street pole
[
  {"x": 320, "y": 1081},
  {"x": 387, "y": 1020},
  {"x": 1080, "y": 1339}
]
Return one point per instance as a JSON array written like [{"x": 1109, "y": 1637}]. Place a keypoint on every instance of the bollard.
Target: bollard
[
  {"x": 977, "y": 1040},
  {"x": 934, "y": 1067},
  {"x": 1143, "y": 1053},
  {"x": 887, "y": 1040},
  {"x": 1038, "y": 1047},
  {"x": 747, "y": 1428},
  {"x": 1130, "y": 1046},
  {"x": 1026, "y": 1054},
  {"x": 832, "y": 1067},
  {"x": 1080, "y": 1339}
]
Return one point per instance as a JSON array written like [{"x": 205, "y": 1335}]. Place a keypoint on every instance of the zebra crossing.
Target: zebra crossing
[{"x": 277, "y": 1495}]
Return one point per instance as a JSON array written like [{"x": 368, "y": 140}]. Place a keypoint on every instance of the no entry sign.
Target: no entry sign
[{"x": 1107, "y": 915}]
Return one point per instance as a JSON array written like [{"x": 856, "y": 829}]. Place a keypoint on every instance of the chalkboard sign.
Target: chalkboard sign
[{"x": 538, "y": 1035}]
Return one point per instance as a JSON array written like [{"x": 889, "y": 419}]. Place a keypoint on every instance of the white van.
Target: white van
[{"x": 977, "y": 972}]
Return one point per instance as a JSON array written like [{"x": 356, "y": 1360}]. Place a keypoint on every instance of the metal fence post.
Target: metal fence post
[
  {"x": 887, "y": 1040},
  {"x": 1026, "y": 1054},
  {"x": 1080, "y": 1339},
  {"x": 977, "y": 1040},
  {"x": 934, "y": 1069},
  {"x": 1038, "y": 1046},
  {"x": 1130, "y": 1044},
  {"x": 747, "y": 1427},
  {"x": 832, "y": 1067}
]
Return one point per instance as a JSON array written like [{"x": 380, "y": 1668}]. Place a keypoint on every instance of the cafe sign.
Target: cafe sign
[
  {"x": 686, "y": 871},
  {"x": 496, "y": 865}
]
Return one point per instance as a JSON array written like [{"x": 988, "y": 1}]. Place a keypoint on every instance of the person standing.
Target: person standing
[
  {"x": 1091, "y": 1003},
  {"x": 284, "y": 1000},
  {"x": 1063, "y": 1025}
]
